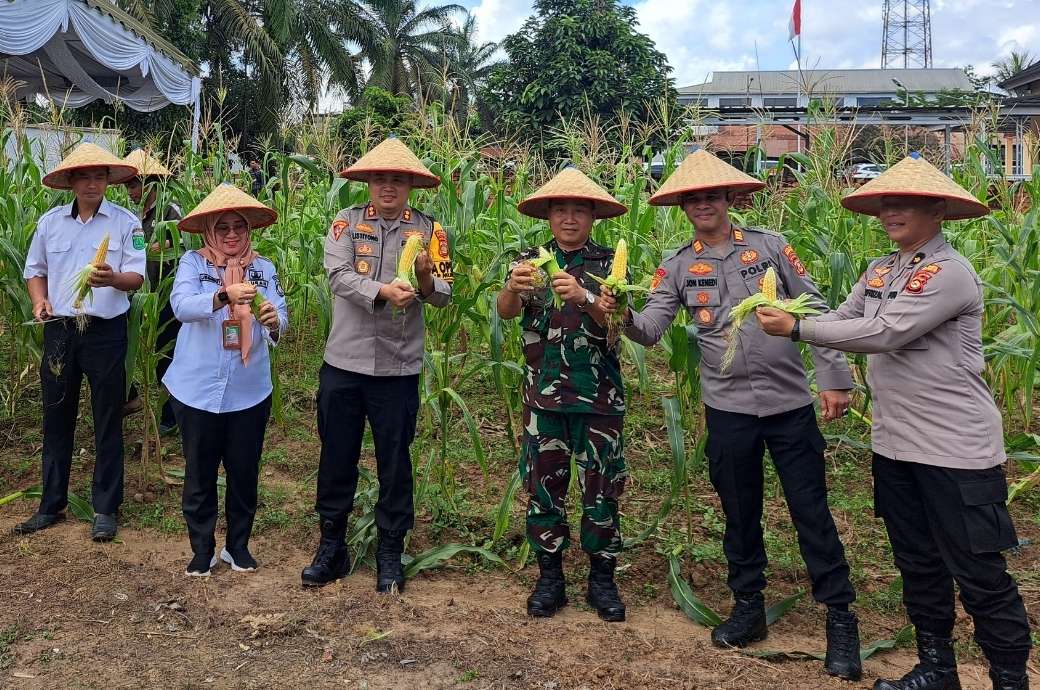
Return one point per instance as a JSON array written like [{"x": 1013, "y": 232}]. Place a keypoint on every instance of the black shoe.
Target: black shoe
[
  {"x": 201, "y": 565},
  {"x": 843, "y": 645},
  {"x": 937, "y": 669},
  {"x": 132, "y": 406},
  {"x": 389, "y": 572},
  {"x": 104, "y": 528},
  {"x": 603, "y": 594},
  {"x": 37, "y": 522},
  {"x": 240, "y": 560},
  {"x": 1009, "y": 680},
  {"x": 746, "y": 622},
  {"x": 550, "y": 591},
  {"x": 167, "y": 429},
  {"x": 332, "y": 560}
]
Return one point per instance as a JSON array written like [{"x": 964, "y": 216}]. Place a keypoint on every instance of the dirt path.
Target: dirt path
[{"x": 123, "y": 615}]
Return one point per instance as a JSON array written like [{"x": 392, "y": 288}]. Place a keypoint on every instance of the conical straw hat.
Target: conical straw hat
[
  {"x": 914, "y": 176},
  {"x": 392, "y": 156},
  {"x": 89, "y": 156},
  {"x": 227, "y": 197},
  {"x": 571, "y": 184},
  {"x": 702, "y": 170},
  {"x": 146, "y": 164}
]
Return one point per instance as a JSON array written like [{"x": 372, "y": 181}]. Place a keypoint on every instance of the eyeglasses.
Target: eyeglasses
[{"x": 225, "y": 230}]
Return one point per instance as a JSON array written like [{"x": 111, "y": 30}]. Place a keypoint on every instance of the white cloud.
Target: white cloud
[{"x": 496, "y": 19}]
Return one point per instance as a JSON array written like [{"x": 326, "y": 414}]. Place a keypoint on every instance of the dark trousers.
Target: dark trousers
[
  {"x": 390, "y": 404},
  {"x": 99, "y": 353},
  {"x": 168, "y": 330},
  {"x": 235, "y": 439},
  {"x": 735, "y": 449},
  {"x": 948, "y": 525}
]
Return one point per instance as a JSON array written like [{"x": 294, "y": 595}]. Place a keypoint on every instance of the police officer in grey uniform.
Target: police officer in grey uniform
[
  {"x": 762, "y": 401},
  {"x": 937, "y": 435},
  {"x": 374, "y": 356}
]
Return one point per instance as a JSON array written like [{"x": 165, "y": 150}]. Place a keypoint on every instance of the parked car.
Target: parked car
[{"x": 864, "y": 171}]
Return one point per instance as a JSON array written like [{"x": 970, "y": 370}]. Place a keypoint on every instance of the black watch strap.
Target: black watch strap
[
  {"x": 796, "y": 331},
  {"x": 223, "y": 297}
]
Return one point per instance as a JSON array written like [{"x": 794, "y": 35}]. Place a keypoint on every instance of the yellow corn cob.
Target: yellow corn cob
[
  {"x": 102, "y": 251},
  {"x": 619, "y": 268},
  {"x": 406, "y": 261},
  {"x": 81, "y": 282},
  {"x": 769, "y": 284}
]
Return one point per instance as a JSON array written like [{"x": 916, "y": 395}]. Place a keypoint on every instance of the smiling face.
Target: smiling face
[
  {"x": 571, "y": 222},
  {"x": 232, "y": 233},
  {"x": 708, "y": 210},
  {"x": 388, "y": 192},
  {"x": 910, "y": 221},
  {"x": 89, "y": 185}
]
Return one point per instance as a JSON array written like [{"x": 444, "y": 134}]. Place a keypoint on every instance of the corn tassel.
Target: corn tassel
[
  {"x": 799, "y": 306},
  {"x": 406, "y": 262}
]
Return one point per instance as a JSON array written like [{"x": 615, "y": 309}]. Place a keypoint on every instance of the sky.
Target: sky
[{"x": 700, "y": 36}]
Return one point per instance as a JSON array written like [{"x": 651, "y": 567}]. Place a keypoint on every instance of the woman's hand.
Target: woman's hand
[
  {"x": 269, "y": 316},
  {"x": 241, "y": 293}
]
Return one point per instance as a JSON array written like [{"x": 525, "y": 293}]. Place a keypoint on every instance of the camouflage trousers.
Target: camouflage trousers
[{"x": 597, "y": 445}]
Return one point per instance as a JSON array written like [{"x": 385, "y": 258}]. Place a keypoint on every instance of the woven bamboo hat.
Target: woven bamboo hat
[
  {"x": 392, "y": 156},
  {"x": 89, "y": 156},
  {"x": 571, "y": 184},
  {"x": 227, "y": 197},
  {"x": 702, "y": 170},
  {"x": 146, "y": 164},
  {"x": 914, "y": 176}
]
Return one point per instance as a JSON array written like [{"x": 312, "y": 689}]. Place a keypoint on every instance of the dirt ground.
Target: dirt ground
[{"x": 123, "y": 615}]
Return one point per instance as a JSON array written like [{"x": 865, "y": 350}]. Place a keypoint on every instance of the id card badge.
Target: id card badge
[{"x": 232, "y": 332}]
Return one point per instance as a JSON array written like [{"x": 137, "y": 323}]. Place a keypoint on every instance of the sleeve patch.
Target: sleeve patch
[
  {"x": 920, "y": 279},
  {"x": 659, "y": 276},
  {"x": 793, "y": 259},
  {"x": 338, "y": 227},
  {"x": 440, "y": 254}
]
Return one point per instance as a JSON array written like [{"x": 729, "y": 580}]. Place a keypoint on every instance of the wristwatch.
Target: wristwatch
[
  {"x": 796, "y": 331},
  {"x": 590, "y": 299},
  {"x": 222, "y": 296}
]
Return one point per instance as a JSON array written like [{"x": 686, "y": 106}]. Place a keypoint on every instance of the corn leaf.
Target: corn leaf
[
  {"x": 695, "y": 609},
  {"x": 436, "y": 557}
]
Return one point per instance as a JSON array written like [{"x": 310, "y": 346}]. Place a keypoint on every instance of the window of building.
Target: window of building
[
  {"x": 734, "y": 102},
  {"x": 693, "y": 101},
  {"x": 1017, "y": 162},
  {"x": 779, "y": 102},
  {"x": 873, "y": 101}
]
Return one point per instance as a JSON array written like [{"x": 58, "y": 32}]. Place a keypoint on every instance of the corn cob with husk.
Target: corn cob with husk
[
  {"x": 547, "y": 262},
  {"x": 799, "y": 306},
  {"x": 81, "y": 281},
  {"x": 406, "y": 261},
  {"x": 617, "y": 283}
]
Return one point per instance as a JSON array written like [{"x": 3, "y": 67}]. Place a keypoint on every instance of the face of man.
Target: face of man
[
  {"x": 708, "y": 210},
  {"x": 571, "y": 222},
  {"x": 232, "y": 233},
  {"x": 89, "y": 185},
  {"x": 135, "y": 189},
  {"x": 910, "y": 221},
  {"x": 388, "y": 192}
]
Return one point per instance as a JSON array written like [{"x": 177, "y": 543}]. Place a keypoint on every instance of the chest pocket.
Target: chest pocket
[
  {"x": 60, "y": 245},
  {"x": 871, "y": 307},
  {"x": 704, "y": 305},
  {"x": 753, "y": 281}
]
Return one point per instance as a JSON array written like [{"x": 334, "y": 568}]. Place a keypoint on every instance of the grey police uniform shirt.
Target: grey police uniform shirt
[
  {"x": 369, "y": 336},
  {"x": 919, "y": 320},
  {"x": 767, "y": 376}
]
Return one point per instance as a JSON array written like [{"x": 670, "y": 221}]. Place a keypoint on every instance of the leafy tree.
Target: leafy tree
[
  {"x": 572, "y": 58},
  {"x": 1012, "y": 65},
  {"x": 377, "y": 114},
  {"x": 467, "y": 66}
]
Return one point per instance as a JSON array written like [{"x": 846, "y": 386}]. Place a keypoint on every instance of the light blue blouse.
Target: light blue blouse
[{"x": 203, "y": 374}]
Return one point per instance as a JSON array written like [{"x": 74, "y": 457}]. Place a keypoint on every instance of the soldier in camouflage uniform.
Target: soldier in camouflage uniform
[{"x": 574, "y": 399}]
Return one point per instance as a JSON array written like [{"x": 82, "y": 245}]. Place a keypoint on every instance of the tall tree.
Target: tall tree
[
  {"x": 467, "y": 65},
  {"x": 405, "y": 46},
  {"x": 574, "y": 57},
  {"x": 1012, "y": 65}
]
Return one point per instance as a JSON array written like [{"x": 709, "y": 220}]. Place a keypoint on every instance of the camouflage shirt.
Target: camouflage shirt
[{"x": 570, "y": 366}]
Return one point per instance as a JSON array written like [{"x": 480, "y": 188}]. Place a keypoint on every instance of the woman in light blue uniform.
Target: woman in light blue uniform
[{"x": 220, "y": 378}]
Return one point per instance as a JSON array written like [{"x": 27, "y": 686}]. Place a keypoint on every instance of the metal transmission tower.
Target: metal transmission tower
[{"x": 907, "y": 39}]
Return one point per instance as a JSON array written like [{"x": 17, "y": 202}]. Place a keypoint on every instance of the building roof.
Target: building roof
[
  {"x": 147, "y": 35},
  {"x": 1025, "y": 77},
  {"x": 835, "y": 81}
]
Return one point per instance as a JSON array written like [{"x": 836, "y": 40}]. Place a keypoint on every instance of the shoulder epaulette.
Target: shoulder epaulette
[{"x": 764, "y": 231}]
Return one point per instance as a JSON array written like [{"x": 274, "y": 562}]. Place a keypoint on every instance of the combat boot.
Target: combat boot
[
  {"x": 332, "y": 560},
  {"x": 1009, "y": 680},
  {"x": 550, "y": 591},
  {"x": 603, "y": 594},
  {"x": 937, "y": 669},
  {"x": 746, "y": 623},
  {"x": 842, "y": 658},
  {"x": 389, "y": 573}
]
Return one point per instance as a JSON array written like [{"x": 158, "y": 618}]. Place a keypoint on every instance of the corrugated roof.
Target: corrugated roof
[
  {"x": 143, "y": 32},
  {"x": 835, "y": 81},
  {"x": 1027, "y": 76}
]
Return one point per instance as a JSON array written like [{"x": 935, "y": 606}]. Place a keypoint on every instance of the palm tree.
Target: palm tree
[
  {"x": 405, "y": 46},
  {"x": 467, "y": 66},
  {"x": 1012, "y": 65}
]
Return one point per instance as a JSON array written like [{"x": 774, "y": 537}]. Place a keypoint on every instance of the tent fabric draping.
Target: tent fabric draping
[{"x": 147, "y": 78}]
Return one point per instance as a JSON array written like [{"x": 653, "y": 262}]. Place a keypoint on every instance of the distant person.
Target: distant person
[
  {"x": 220, "y": 379},
  {"x": 257, "y": 173},
  {"x": 89, "y": 339}
]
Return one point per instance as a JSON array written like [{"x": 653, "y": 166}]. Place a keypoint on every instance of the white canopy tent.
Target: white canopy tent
[{"x": 78, "y": 51}]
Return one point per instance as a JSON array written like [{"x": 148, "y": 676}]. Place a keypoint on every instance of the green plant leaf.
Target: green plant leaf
[
  {"x": 695, "y": 609},
  {"x": 435, "y": 557}
]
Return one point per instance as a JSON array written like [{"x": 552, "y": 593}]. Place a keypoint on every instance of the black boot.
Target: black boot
[
  {"x": 1009, "y": 680},
  {"x": 842, "y": 658},
  {"x": 937, "y": 669},
  {"x": 603, "y": 593},
  {"x": 550, "y": 591},
  {"x": 389, "y": 573},
  {"x": 746, "y": 623},
  {"x": 332, "y": 560}
]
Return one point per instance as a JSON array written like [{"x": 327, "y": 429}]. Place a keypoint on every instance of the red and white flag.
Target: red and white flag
[{"x": 794, "y": 26}]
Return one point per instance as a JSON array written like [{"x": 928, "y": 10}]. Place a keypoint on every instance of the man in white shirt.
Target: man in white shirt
[{"x": 89, "y": 339}]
